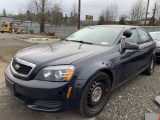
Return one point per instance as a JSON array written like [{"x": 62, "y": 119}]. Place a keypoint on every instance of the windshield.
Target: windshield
[
  {"x": 155, "y": 36},
  {"x": 2, "y": 25},
  {"x": 96, "y": 35}
]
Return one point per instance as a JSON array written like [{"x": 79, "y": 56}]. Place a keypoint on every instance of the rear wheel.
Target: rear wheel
[
  {"x": 150, "y": 69},
  {"x": 95, "y": 95}
]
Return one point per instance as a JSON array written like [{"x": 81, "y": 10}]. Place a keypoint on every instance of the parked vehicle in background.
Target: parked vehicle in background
[
  {"x": 80, "y": 71},
  {"x": 156, "y": 38},
  {"x": 6, "y": 27},
  {"x": 10, "y": 27}
]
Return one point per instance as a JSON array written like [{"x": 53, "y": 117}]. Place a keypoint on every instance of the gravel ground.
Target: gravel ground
[{"x": 129, "y": 102}]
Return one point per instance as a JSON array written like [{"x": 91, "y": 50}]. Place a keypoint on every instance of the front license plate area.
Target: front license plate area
[{"x": 10, "y": 86}]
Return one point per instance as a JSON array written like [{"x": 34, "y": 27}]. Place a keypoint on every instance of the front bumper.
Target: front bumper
[{"x": 44, "y": 95}]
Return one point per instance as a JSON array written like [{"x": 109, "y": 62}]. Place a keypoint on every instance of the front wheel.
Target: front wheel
[
  {"x": 95, "y": 95},
  {"x": 150, "y": 69}
]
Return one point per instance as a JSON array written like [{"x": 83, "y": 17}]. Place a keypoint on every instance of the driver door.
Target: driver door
[{"x": 131, "y": 59}]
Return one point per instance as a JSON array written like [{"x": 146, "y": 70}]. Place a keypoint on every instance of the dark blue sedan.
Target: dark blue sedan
[{"x": 80, "y": 71}]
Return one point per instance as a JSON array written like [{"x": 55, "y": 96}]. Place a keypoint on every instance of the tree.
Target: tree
[
  {"x": 57, "y": 15},
  {"x": 137, "y": 11},
  {"x": 20, "y": 16},
  {"x": 109, "y": 14},
  {"x": 101, "y": 20},
  {"x": 42, "y": 6},
  {"x": 158, "y": 12},
  {"x": 29, "y": 12},
  {"x": 65, "y": 19},
  {"x": 122, "y": 19},
  {"x": 4, "y": 12},
  {"x": 74, "y": 14}
]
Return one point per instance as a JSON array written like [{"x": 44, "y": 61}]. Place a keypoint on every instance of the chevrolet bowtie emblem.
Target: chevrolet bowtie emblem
[{"x": 17, "y": 67}]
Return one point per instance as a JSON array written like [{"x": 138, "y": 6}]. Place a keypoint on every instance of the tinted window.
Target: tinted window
[
  {"x": 134, "y": 38},
  {"x": 144, "y": 37},
  {"x": 96, "y": 35}
]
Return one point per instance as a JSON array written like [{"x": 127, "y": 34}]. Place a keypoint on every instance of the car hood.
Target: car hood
[{"x": 60, "y": 52}]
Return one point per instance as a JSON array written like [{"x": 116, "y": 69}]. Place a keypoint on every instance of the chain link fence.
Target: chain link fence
[
  {"x": 60, "y": 31},
  {"x": 151, "y": 28},
  {"x": 63, "y": 31}
]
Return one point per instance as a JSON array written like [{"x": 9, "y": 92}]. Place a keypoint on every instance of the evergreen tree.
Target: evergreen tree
[
  {"x": 122, "y": 21},
  {"x": 101, "y": 20},
  {"x": 4, "y": 12}
]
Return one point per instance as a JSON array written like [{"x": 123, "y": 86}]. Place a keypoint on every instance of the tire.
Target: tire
[
  {"x": 95, "y": 95},
  {"x": 150, "y": 69}
]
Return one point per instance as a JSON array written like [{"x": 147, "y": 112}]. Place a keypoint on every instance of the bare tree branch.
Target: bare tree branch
[
  {"x": 110, "y": 13},
  {"x": 42, "y": 7},
  {"x": 137, "y": 12}
]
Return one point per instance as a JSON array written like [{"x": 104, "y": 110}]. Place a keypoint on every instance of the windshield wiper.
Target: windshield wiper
[
  {"x": 83, "y": 42},
  {"x": 65, "y": 39}
]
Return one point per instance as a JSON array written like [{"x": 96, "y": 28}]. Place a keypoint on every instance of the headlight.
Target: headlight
[{"x": 56, "y": 73}]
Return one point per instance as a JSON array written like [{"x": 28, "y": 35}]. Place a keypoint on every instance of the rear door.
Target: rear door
[{"x": 147, "y": 45}]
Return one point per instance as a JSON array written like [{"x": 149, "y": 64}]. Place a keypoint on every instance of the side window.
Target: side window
[
  {"x": 134, "y": 38},
  {"x": 144, "y": 37}
]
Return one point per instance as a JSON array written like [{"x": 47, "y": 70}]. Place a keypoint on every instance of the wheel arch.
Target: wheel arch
[
  {"x": 109, "y": 73},
  {"x": 106, "y": 71}
]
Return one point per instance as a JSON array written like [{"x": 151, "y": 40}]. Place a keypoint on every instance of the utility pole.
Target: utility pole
[
  {"x": 154, "y": 12},
  {"x": 158, "y": 15},
  {"x": 146, "y": 12},
  {"x": 79, "y": 15},
  {"x": 158, "y": 12}
]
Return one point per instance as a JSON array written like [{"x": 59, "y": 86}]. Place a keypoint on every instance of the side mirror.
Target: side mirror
[
  {"x": 127, "y": 33},
  {"x": 131, "y": 46}
]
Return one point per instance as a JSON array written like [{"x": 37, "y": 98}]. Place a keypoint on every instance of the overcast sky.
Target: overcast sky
[{"x": 89, "y": 7}]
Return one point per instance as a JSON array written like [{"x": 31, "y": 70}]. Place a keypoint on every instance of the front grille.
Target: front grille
[{"x": 23, "y": 69}]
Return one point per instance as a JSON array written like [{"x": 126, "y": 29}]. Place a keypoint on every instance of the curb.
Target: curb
[{"x": 37, "y": 40}]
